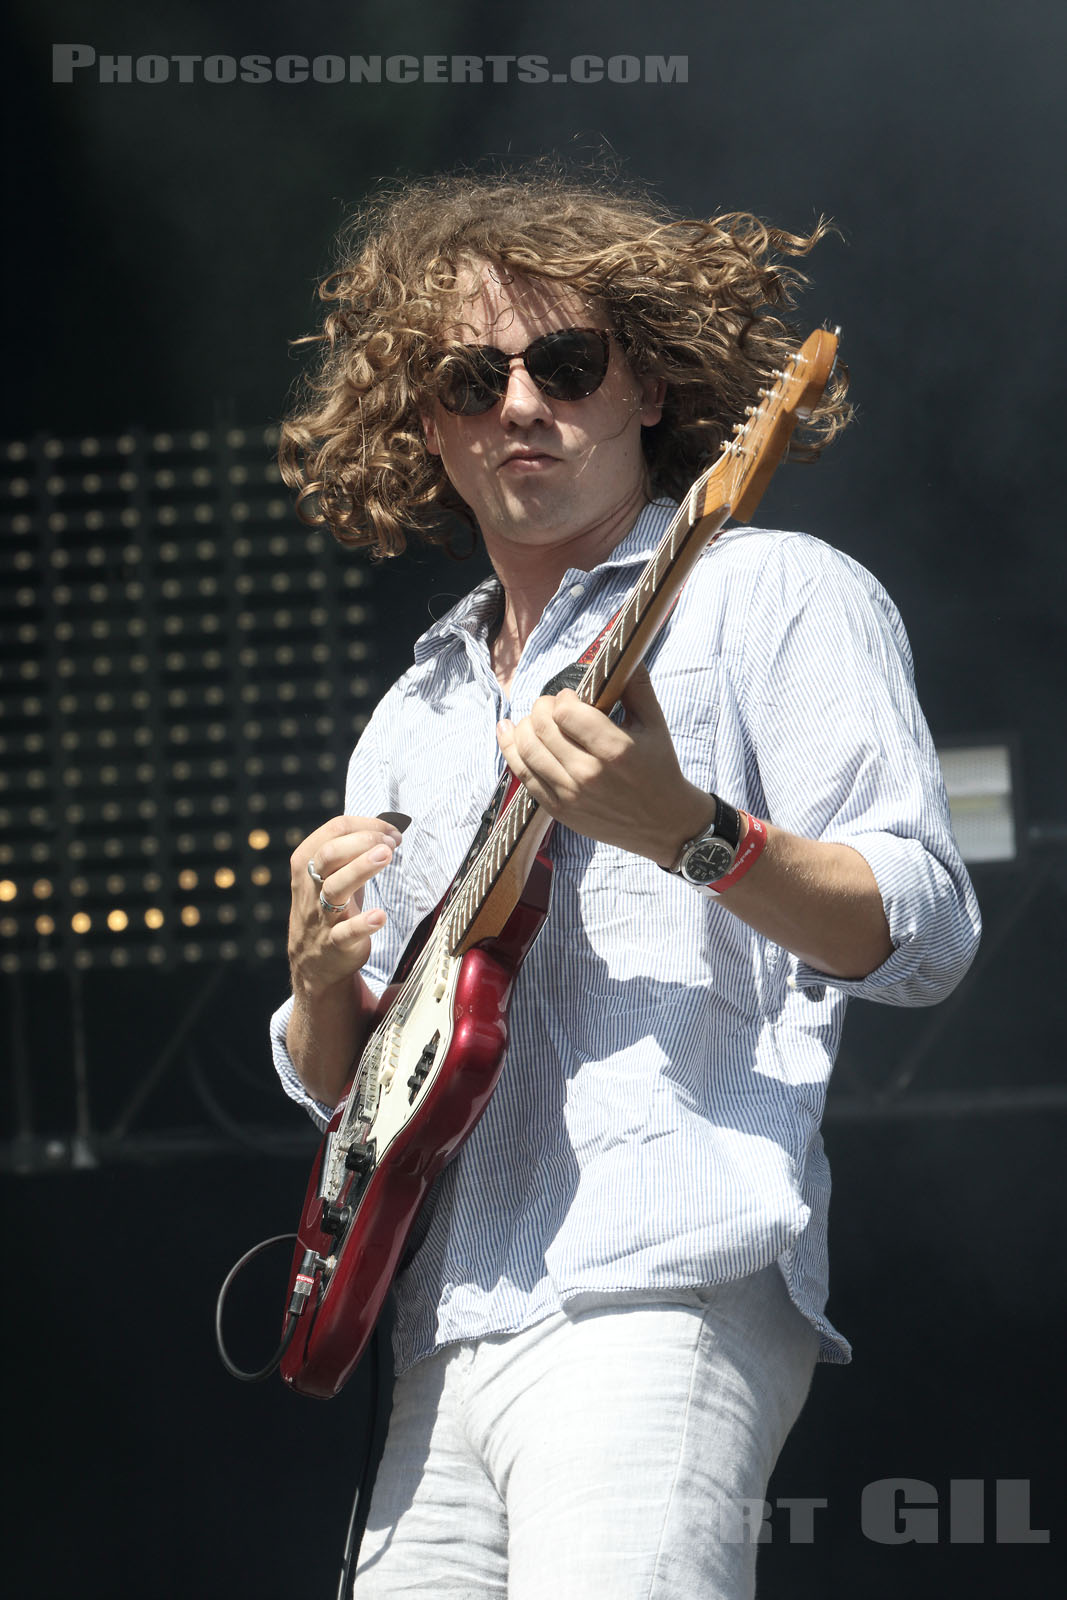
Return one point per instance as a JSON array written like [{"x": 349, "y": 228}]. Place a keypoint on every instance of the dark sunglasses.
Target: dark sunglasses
[{"x": 567, "y": 364}]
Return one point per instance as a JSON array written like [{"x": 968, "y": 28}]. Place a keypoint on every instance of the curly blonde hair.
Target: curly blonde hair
[{"x": 691, "y": 302}]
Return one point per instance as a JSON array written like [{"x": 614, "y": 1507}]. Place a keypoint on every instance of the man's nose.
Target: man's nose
[{"x": 523, "y": 401}]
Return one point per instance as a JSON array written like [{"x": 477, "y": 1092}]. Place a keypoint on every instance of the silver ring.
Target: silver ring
[
  {"x": 313, "y": 874},
  {"x": 326, "y": 906}
]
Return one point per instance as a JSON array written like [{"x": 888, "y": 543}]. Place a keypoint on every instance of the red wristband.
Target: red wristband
[{"x": 751, "y": 849}]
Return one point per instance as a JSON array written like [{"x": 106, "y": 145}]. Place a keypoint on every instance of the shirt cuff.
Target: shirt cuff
[{"x": 933, "y": 918}]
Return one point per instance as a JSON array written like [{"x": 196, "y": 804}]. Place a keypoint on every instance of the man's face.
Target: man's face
[{"x": 538, "y": 472}]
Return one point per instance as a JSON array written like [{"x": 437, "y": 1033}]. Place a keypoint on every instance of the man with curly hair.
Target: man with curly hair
[{"x": 616, "y": 1294}]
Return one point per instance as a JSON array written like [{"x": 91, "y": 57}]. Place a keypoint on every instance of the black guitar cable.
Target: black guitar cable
[{"x": 298, "y": 1300}]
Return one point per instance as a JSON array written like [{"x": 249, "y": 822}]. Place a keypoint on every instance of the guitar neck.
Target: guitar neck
[
  {"x": 650, "y": 602},
  {"x": 491, "y": 889}
]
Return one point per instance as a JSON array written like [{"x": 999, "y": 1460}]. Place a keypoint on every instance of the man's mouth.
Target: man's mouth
[{"x": 527, "y": 461}]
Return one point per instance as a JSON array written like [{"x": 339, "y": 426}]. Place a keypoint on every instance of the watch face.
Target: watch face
[{"x": 710, "y": 859}]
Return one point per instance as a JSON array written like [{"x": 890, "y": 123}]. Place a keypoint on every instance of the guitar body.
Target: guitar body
[{"x": 451, "y": 1043}]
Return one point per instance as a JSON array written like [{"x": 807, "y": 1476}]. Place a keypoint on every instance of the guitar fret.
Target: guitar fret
[{"x": 488, "y": 865}]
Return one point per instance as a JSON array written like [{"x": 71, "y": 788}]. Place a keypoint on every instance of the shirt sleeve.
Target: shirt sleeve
[
  {"x": 367, "y": 793},
  {"x": 844, "y": 755}
]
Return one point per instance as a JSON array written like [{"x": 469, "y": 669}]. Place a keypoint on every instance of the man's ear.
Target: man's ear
[
  {"x": 429, "y": 431},
  {"x": 653, "y": 394}
]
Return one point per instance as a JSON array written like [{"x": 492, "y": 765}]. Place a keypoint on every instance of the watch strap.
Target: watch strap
[
  {"x": 747, "y": 856},
  {"x": 727, "y": 824}
]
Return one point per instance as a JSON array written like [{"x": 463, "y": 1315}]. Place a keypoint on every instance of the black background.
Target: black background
[{"x": 165, "y": 243}]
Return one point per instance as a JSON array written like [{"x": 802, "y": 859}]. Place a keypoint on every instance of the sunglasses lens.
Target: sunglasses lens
[
  {"x": 472, "y": 381},
  {"x": 566, "y": 365},
  {"x": 569, "y": 365}
]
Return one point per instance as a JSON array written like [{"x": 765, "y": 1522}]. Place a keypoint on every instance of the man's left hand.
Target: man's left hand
[{"x": 620, "y": 784}]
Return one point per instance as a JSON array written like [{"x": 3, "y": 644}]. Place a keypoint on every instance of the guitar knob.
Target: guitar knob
[
  {"x": 335, "y": 1218},
  {"x": 360, "y": 1159}
]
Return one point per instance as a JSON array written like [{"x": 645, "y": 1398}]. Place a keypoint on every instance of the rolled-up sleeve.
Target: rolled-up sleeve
[
  {"x": 319, "y": 1113},
  {"x": 844, "y": 755},
  {"x": 933, "y": 918}
]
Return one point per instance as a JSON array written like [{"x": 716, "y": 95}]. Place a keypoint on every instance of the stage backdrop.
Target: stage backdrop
[{"x": 174, "y": 185}]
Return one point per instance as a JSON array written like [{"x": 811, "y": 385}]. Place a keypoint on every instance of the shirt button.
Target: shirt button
[{"x": 577, "y": 590}]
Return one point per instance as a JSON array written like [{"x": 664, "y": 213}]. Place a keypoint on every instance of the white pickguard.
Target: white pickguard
[{"x": 401, "y": 1043}]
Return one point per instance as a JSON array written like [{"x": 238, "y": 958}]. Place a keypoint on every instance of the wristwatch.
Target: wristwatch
[{"x": 710, "y": 856}]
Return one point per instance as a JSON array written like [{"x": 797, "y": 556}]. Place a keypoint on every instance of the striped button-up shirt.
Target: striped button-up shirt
[{"x": 656, "y": 1125}]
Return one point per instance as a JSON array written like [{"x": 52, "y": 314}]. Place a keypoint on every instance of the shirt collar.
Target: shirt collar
[
  {"x": 477, "y": 611},
  {"x": 474, "y": 615},
  {"x": 643, "y": 538}
]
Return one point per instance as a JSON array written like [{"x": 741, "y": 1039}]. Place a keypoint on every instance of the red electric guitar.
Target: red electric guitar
[{"x": 437, "y": 1049}]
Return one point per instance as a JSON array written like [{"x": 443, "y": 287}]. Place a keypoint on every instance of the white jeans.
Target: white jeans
[{"x": 600, "y": 1455}]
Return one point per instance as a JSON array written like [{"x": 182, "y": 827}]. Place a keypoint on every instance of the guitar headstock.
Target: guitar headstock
[{"x": 743, "y": 470}]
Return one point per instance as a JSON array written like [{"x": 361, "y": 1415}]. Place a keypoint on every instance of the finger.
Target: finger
[
  {"x": 531, "y": 763},
  {"x": 639, "y": 700},
  {"x": 314, "y": 861},
  {"x": 581, "y": 726},
  {"x": 346, "y": 933},
  {"x": 336, "y": 828},
  {"x": 363, "y": 924},
  {"x": 343, "y": 850},
  {"x": 344, "y": 887},
  {"x": 348, "y": 940},
  {"x": 505, "y": 738}
]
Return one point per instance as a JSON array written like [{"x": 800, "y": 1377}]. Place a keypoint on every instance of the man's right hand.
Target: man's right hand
[
  {"x": 328, "y": 946},
  {"x": 332, "y": 1007}
]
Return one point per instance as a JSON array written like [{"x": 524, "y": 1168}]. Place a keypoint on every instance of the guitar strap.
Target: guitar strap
[
  {"x": 571, "y": 676},
  {"x": 485, "y": 828}
]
